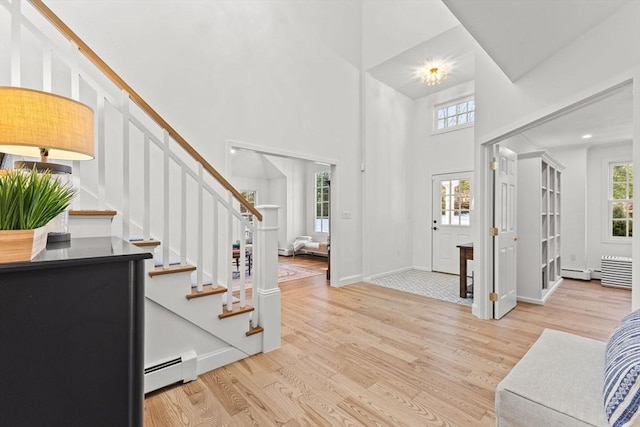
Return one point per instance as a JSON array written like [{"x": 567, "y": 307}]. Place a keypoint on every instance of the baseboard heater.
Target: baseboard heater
[
  {"x": 171, "y": 371},
  {"x": 616, "y": 271},
  {"x": 576, "y": 273}
]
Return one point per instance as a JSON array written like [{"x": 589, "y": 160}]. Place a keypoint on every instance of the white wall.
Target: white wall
[
  {"x": 575, "y": 205},
  {"x": 607, "y": 55},
  {"x": 387, "y": 242},
  {"x": 267, "y": 73},
  {"x": 434, "y": 154}
]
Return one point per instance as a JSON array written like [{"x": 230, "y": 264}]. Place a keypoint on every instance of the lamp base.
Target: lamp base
[{"x": 55, "y": 237}]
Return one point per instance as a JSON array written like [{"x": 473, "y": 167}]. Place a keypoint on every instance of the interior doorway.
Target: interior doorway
[
  {"x": 564, "y": 129},
  {"x": 304, "y": 189}
]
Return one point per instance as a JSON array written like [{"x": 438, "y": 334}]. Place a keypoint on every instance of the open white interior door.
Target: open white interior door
[{"x": 506, "y": 242}]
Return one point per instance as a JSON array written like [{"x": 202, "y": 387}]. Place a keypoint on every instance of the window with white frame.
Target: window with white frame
[
  {"x": 458, "y": 114},
  {"x": 456, "y": 202},
  {"x": 321, "y": 218},
  {"x": 621, "y": 200}
]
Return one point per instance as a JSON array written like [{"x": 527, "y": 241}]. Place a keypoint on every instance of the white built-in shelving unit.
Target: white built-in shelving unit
[{"x": 539, "y": 219}]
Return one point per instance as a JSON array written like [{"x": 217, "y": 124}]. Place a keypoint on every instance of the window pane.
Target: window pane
[
  {"x": 471, "y": 105},
  {"x": 472, "y": 117},
  {"x": 462, "y": 108},
  {"x": 445, "y": 217},
  {"x": 465, "y": 218},
  {"x": 630, "y": 195},
  {"x": 441, "y": 114},
  {"x": 451, "y": 121},
  {"x": 620, "y": 173},
  {"x": 325, "y": 210},
  {"x": 618, "y": 210},
  {"x": 455, "y": 220},
  {"x": 630, "y": 173},
  {"x": 325, "y": 225},
  {"x": 630, "y": 210},
  {"x": 440, "y": 124},
  {"x": 630, "y": 228},
  {"x": 318, "y": 226},
  {"x": 462, "y": 119},
  {"x": 619, "y": 191},
  {"x": 451, "y": 111},
  {"x": 619, "y": 228}
]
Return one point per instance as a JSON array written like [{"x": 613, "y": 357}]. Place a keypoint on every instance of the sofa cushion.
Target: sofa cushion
[
  {"x": 622, "y": 372},
  {"x": 557, "y": 383}
]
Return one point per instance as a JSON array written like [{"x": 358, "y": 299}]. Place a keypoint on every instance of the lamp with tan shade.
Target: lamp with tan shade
[{"x": 45, "y": 125}]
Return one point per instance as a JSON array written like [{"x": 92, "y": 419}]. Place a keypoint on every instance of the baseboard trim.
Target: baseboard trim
[
  {"x": 216, "y": 359},
  {"x": 349, "y": 280}
]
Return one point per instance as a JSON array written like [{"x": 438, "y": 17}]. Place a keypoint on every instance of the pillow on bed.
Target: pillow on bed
[{"x": 622, "y": 372}]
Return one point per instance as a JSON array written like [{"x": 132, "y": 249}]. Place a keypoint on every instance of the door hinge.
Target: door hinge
[
  {"x": 493, "y": 165},
  {"x": 493, "y": 232},
  {"x": 493, "y": 297}
]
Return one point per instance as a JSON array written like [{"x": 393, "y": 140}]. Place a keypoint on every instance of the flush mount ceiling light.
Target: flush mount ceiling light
[
  {"x": 587, "y": 136},
  {"x": 433, "y": 73}
]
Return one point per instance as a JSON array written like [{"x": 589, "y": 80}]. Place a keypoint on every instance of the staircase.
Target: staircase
[{"x": 149, "y": 186}]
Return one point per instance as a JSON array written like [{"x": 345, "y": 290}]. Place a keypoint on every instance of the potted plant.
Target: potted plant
[{"x": 28, "y": 201}]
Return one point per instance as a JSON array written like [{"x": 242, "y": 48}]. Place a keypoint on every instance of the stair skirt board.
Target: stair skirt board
[{"x": 187, "y": 367}]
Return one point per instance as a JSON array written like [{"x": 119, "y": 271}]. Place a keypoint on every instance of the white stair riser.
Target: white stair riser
[{"x": 90, "y": 226}]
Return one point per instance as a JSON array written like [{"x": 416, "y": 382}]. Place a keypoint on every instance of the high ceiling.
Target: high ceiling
[
  {"x": 454, "y": 46},
  {"x": 518, "y": 35}
]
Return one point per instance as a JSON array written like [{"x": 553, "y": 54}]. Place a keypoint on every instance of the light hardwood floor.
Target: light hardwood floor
[{"x": 364, "y": 355}]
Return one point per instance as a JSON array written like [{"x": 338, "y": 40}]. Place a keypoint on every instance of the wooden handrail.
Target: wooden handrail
[{"x": 117, "y": 80}]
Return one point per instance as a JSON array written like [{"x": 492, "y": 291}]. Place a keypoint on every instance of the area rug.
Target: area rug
[
  {"x": 286, "y": 273},
  {"x": 441, "y": 286}
]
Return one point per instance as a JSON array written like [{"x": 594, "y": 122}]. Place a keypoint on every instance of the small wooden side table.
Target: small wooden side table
[{"x": 466, "y": 253}]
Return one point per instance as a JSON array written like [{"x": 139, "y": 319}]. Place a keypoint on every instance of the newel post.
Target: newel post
[{"x": 269, "y": 304}]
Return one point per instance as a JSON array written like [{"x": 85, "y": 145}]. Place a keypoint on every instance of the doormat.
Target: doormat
[{"x": 445, "y": 287}]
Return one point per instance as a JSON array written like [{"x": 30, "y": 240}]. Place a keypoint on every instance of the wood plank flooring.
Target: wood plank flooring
[{"x": 364, "y": 355}]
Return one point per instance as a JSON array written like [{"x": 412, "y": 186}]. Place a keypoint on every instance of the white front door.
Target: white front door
[
  {"x": 505, "y": 244},
  {"x": 451, "y": 220}
]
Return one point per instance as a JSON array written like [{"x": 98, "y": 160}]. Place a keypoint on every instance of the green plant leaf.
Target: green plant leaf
[{"x": 29, "y": 199}]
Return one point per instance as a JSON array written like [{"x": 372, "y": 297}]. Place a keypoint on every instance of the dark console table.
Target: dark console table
[{"x": 71, "y": 336}]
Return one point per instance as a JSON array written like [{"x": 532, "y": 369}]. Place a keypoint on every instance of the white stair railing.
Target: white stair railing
[{"x": 160, "y": 186}]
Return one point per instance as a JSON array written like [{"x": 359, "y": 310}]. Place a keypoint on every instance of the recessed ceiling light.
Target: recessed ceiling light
[
  {"x": 232, "y": 151},
  {"x": 587, "y": 136}
]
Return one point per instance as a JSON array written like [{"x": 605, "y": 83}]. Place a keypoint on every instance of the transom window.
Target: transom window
[
  {"x": 621, "y": 199},
  {"x": 456, "y": 200},
  {"x": 321, "y": 219},
  {"x": 455, "y": 115}
]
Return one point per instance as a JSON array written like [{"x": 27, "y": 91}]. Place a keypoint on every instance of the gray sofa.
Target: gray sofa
[{"x": 557, "y": 383}]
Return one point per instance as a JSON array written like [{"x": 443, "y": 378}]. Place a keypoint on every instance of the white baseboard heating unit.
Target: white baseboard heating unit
[
  {"x": 616, "y": 271},
  {"x": 161, "y": 374},
  {"x": 575, "y": 273}
]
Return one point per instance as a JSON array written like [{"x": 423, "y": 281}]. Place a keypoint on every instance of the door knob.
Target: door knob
[
  {"x": 434, "y": 228},
  {"x": 516, "y": 238}
]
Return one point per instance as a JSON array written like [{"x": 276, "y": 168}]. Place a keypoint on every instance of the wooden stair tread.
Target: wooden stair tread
[
  {"x": 76, "y": 212},
  {"x": 256, "y": 330},
  {"x": 235, "y": 311},
  {"x": 206, "y": 290},
  {"x": 179, "y": 268},
  {"x": 145, "y": 243}
]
